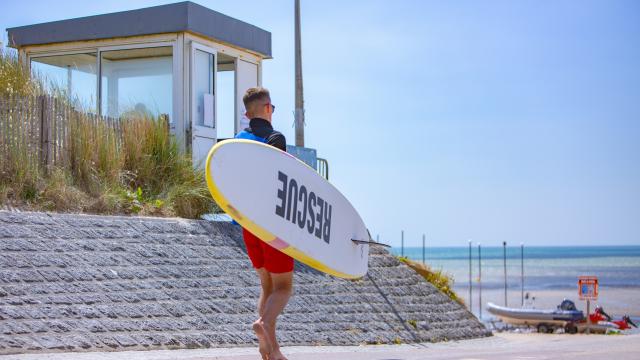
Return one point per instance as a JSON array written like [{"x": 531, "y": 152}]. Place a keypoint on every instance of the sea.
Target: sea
[{"x": 539, "y": 268}]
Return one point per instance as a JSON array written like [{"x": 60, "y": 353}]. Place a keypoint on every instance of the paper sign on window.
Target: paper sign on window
[{"x": 208, "y": 110}]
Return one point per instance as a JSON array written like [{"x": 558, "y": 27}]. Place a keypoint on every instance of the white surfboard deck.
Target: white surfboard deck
[{"x": 256, "y": 185}]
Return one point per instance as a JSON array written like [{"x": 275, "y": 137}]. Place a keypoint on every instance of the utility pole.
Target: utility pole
[
  {"x": 402, "y": 243},
  {"x": 299, "y": 111}
]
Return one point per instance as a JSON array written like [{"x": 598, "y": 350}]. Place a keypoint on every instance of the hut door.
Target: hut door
[{"x": 203, "y": 102}]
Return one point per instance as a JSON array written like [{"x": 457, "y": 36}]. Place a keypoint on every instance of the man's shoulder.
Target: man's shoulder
[
  {"x": 245, "y": 134},
  {"x": 276, "y": 133},
  {"x": 278, "y": 140}
]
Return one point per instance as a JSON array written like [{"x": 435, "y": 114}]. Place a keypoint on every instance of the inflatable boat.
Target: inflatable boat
[{"x": 566, "y": 316}]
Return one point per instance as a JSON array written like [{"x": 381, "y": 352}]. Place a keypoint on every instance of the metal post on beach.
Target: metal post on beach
[
  {"x": 401, "y": 242},
  {"x": 588, "y": 331},
  {"x": 479, "y": 281},
  {"x": 423, "y": 246},
  {"x": 504, "y": 254},
  {"x": 378, "y": 238},
  {"x": 522, "y": 274},
  {"x": 470, "y": 281}
]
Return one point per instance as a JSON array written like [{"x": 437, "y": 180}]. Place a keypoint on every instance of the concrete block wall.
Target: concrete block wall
[{"x": 97, "y": 283}]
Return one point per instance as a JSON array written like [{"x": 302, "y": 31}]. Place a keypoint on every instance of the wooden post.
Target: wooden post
[
  {"x": 5, "y": 104},
  {"x": 54, "y": 131},
  {"x": 3, "y": 133},
  {"x": 45, "y": 132},
  {"x": 299, "y": 97}
]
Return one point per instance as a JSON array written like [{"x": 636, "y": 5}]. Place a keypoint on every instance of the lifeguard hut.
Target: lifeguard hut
[{"x": 181, "y": 60}]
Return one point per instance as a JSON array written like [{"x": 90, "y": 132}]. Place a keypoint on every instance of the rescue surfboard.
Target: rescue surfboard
[{"x": 287, "y": 204}]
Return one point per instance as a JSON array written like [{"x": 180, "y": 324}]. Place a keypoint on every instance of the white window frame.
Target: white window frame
[
  {"x": 176, "y": 73},
  {"x": 35, "y": 55},
  {"x": 176, "y": 76},
  {"x": 211, "y": 50}
]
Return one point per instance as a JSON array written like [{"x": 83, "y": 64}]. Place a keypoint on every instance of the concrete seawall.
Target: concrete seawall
[{"x": 88, "y": 283}]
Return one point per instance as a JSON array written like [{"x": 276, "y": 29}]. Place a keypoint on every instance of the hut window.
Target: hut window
[
  {"x": 138, "y": 81},
  {"x": 73, "y": 75},
  {"x": 226, "y": 96}
]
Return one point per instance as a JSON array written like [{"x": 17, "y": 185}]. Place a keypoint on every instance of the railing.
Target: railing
[{"x": 323, "y": 168}]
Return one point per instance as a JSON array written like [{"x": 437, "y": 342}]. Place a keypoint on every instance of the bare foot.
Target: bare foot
[
  {"x": 270, "y": 335},
  {"x": 264, "y": 347},
  {"x": 277, "y": 355}
]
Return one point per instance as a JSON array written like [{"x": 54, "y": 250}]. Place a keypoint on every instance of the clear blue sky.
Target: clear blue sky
[{"x": 512, "y": 121}]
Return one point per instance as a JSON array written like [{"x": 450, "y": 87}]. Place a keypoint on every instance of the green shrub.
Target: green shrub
[
  {"x": 190, "y": 201},
  {"x": 59, "y": 194}
]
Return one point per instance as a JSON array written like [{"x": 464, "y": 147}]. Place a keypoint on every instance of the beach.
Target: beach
[
  {"x": 615, "y": 301},
  {"x": 550, "y": 274}
]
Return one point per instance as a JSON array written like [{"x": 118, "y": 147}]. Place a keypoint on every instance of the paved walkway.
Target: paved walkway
[{"x": 502, "y": 346}]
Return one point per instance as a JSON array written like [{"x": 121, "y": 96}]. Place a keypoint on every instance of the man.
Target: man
[{"x": 274, "y": 268}]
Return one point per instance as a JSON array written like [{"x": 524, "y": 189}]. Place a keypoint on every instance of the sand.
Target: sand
[{"x": 615, "y": 301}]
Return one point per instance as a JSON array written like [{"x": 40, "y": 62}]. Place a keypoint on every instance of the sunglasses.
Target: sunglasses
[{"x": 273, "y": 107}]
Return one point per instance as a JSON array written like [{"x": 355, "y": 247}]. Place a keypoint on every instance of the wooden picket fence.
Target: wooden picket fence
[{"x": 35, "y": 131}]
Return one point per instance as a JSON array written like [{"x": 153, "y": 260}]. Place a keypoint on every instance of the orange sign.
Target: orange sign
[{"x": 588, "y": 287}]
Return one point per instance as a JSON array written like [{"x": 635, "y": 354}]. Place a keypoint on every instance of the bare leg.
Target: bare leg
[
  {"x": 267, "y": 288},
  {"x": 270, "y": 329},
  {"x": 276, "y": 302}
]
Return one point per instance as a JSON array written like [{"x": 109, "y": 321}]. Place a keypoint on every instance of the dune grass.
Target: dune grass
[
  {"x": 135, "y": 168},
  {"x": 438, "y": 278},
  {"x": 14, "y": 78}
]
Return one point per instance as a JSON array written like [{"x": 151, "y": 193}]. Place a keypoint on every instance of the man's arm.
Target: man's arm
[{"x": 277, "y": 140}]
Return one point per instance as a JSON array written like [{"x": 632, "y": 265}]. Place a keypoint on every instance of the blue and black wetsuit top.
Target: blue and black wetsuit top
[{"x": 262, "y": 131}]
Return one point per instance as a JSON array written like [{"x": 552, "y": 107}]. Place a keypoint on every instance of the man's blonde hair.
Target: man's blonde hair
[{"x": 255, "y": 97}]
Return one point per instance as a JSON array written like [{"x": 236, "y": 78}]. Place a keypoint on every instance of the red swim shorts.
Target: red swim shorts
[{"x": 266, "y": 256}]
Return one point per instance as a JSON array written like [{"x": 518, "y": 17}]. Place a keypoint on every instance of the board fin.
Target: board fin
[{"x": 369, "y": 242}]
